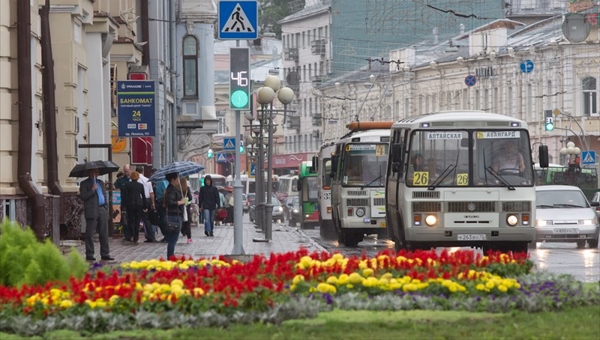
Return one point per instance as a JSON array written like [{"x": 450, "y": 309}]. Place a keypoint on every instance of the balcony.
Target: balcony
[
  {"x": 290, "y": 54},
  {"x": 317, "y": 79},
  {"x": 318, "y": 47},
  {"x": 317, "y": 119},
  {"x": 294, "y": 122}
]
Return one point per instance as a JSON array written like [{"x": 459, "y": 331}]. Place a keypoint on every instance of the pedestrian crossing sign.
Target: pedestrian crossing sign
[
  {"x": 251, "y": 170},
  {"x": 228, "y": 143},
  {"x": 588, "y": 157},
  {"x": 221, "y": 158},
  {"x": 238, "y": 20}
]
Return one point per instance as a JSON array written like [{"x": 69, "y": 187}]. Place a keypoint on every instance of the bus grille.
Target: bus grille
[
  {"x": 356, "y": 193},
  {"x": 421, "y": 207},
  {"x": 379, "y": 201},
  {"x": 520, "y": 206},
  {"x": 426, "y": 194},
  {"x": 478, "y": 207},
  {"x": 357, "y": 202}
]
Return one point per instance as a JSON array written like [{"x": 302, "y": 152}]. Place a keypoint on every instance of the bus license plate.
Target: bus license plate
[
  {"x": 382, "y": 224},
  {"x": 565, "y": 231},
  {"x": 471, "y": 237}
]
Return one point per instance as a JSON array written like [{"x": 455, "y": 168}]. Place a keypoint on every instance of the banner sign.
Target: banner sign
[{"x": 136, "y": 108}]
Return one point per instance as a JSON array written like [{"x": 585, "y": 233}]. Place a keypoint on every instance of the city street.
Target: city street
[{"x": 559, "y": 258}]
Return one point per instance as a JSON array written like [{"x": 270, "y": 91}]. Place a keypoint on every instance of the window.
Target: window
[
  {"x": 190, "y": 66},
  {"x": 590, "y": 96}
]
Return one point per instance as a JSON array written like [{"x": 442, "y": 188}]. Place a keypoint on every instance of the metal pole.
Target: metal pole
[
  {"x": 269, "y": 205},
  {"x": 238, "y": 213},
  {"x": 259, "y": 178}
]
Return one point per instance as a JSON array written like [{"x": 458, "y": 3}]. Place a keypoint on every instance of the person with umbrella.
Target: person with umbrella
[
  {"x": 175, "y": 203},
  {"x": 93, "y": 194}
]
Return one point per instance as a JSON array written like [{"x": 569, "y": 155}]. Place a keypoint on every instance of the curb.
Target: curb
[{"x": 311, "y": 240}]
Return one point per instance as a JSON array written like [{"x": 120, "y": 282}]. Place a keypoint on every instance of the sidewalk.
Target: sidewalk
[{"x": 285, "y": 239}]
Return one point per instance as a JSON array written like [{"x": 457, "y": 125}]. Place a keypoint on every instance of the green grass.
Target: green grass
[{"x": 579, "y": 323}]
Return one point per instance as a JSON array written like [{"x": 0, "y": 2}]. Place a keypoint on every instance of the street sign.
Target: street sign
[
  {"x": 470, "y": 80},
  {"x": 221, "y": 158},
  {"x": 526, "y": 66},
  {"x": 228, "y": 143},
  {"x": 136, "y": 108},
  {"x": 588, "y": 157},
  {"x": 238, "y": 20},
  {"x": 251, "y": 170}
]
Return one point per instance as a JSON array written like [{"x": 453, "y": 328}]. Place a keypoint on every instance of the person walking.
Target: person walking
[
  {"x": 93, "y": 195},
  {"x": 149, "y": 193},
  {"x": 186, "y": 225},
  {"x": 134, "y": 200},
  {"x": 121, "y": 181},
  {"x": 174, "y": 203},
  {"x": 209, "y": 202},
  {"x": 159, "y": 193}
]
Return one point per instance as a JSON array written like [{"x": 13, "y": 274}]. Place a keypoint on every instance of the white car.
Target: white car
[{"x": 564, "y": 214}]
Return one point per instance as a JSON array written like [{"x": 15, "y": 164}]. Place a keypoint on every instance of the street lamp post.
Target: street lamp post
[
  {"x": 266, "y": 95},
  {"x": 570, "y": 151}
]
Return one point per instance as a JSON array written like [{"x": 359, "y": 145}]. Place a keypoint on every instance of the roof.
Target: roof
[
  {"x": 556, "y": 187},
  {"x": 311, "y": 8},
  {"x": 371, "y": 135},
  {"x": 458, "y": 115}
]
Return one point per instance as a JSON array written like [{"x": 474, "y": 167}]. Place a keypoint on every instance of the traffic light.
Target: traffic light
[
  {"x": 239, "y": 78},
  {"x": 549, "y": 120},
  {"x": 241, "y": 143},
  {"x": 209, "y": 154}
]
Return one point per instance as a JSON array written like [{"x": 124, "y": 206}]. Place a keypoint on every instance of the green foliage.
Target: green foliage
[{"x": 24, "y": 260}]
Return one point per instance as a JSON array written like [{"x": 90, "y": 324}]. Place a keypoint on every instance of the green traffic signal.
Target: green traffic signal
[
  {"x": 209, "y": 154},
  {"x": 549, "y": 126},
  {"x": 241, "y": 149},
  {"x": 239, "y": 99}
]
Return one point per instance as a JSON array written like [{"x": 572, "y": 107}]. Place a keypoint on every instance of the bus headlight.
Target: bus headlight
[
  {"x": 360, "y": 212},
  {"x": 431, "y": 220},
  {"x": 512, "y": 220},
  {"x": 543, "y": 223}
]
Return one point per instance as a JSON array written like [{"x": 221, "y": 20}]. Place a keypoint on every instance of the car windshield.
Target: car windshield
[{"x": 548, "y": 199}]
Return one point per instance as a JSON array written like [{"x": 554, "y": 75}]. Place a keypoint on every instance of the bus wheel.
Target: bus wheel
[
  {"x": 352, "y": 240},
  {"x": 327, "y": 230}
]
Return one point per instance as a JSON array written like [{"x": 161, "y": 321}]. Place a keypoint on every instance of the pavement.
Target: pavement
[{"x": 284, "y": 239}]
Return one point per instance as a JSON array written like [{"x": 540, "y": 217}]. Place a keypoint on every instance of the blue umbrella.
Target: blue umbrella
[{"x": 183, "y": 169}]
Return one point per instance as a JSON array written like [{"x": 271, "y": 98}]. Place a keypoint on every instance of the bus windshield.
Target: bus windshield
[
  {"x": 365, "y": 165},
  {"x": 325, "y": 174},
  {"x": 450, "y": 158},
  {"x": 310, "y": 192}
]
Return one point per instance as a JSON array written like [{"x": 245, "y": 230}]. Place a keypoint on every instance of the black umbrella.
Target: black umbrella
[{"x": 104, "y": 167}]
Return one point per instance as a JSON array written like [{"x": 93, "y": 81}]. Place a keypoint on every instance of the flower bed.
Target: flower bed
[{"x": 283, "y": 286}]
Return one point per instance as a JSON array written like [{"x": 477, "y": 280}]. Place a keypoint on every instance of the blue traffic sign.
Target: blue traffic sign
[
  {"x": 221, "y": 158},
  {"x": 253, "y": 169},
  {"x": 136, "y": 108},
  {"x": 588, "y": 157},
  {"x": 526, "y": 66},
  {"x": 228, "y": 143},
  {"x": 238, "y": 20},
  {"x": 470, "y": 80}
]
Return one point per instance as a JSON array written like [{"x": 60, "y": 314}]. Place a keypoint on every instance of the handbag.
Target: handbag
[{"x": 172, "y": 227}]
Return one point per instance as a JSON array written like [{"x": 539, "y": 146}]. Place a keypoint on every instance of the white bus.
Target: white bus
[
  {"x": 288, "y": 186},
  {"x": 358, "y": 185},
  {"x": 323, "y": 167},
  {"x": 449, "y": 185},
  {"x": 249, "y": 184}
]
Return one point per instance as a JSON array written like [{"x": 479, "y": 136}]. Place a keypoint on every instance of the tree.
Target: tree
[{"x": 271, "y": 11}]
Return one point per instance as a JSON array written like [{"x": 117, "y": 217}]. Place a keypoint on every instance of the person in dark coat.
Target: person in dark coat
[
  {"x": 174, "y": 204},
  {"x": 134, "y": 201},
  {"x": 95, "y": 203},
  {"x": 209, "y": 201}
]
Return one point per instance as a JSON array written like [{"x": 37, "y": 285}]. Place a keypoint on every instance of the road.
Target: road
[{"x": 559, "y": 258}]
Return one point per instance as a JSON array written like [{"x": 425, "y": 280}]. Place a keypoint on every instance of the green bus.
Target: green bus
[
  {"x": 308, "y": 191},
  {"x": 585, "y": 179}
]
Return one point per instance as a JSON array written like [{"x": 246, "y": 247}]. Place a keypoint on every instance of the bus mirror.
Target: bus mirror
[
  {"x": 299, "y": 183},
  {"x": 543, "y": 156},
  {"x": 315, "y": 163}
]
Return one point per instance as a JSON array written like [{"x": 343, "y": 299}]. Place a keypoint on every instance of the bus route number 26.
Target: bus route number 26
[
  {"x": 462, "y": 179},
  {"x": 421, "y": 178}
]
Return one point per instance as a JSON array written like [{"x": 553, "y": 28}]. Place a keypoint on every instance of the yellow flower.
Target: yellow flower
[
  {"x": 452, "y": 289},
  {"x": 489, "y": 284},
  {"x": 337, "y": 256},
  {"x": 370, "y": 282},
  {"x": 306, "y": 261},
  {"x": 502, "y": 288},
  {"x": 480, "y": 286},
  {"x": 198, "y": 291},
  {"x": 367, "y": 272},
  {"x": 343, "y": 279},
  {"x": 356, "y": 278},
  {"x": 66, "y": 303},
  {"x": 332, "y": 280},
  {"x": 297, "y": 279},
  {"x": 177, "y": 282}
]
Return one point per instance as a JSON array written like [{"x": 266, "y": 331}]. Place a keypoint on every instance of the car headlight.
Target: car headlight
[
  {"x": 360, "y": 212},
  {"x": 296, "y": 211},
  {"x": 431, "y": 220},
  {"x": 589, "y": 222},
  {"x": 512, "y": 220},
  {"x": 280, "y": 209},
  {"x": 544, "y": 223}
]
